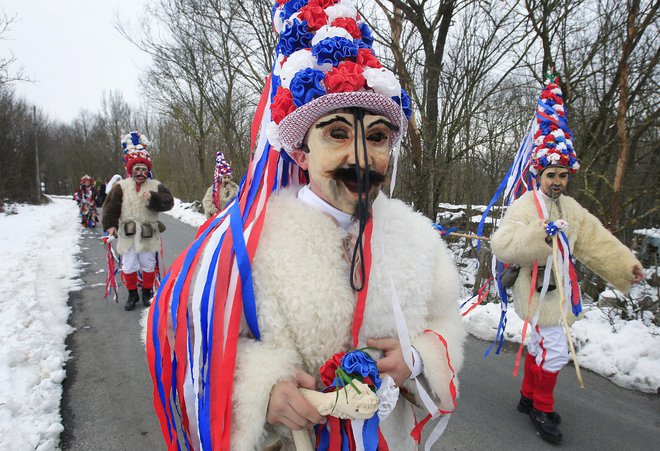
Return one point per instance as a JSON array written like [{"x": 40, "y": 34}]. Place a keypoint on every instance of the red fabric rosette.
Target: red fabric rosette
[
  {"x": 314, "y": 15},
  {"x": 347, "y": 77},
  {"x": 366, "y": 58},
  {"x": 327, "y": 371},
  {"x": 348, "y": 24},
  {"x": 322, "y": 3},
  {"x": 282, "y": 104}
]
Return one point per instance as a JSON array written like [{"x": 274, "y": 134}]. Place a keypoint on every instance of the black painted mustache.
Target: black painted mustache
[{"x": 347, "y": 174}]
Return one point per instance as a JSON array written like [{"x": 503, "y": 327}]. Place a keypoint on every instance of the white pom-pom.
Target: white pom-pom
[
  {"x": 382, "y": 81},
  {"x": 273, "y": 135},
  {"x": 554, "y": 158},
  {"x": 299, "y": 60},
  {"x": 330, "y": 32},
  {"x": 277, "y": 68},
  {"x": 278, "y": 23},
  {"x": 341, "y": 9},
  {"x": 575, "y": 166},
  {"x": 557, "y": 133}
]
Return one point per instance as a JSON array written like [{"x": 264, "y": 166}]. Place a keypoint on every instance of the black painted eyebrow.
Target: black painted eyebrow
[
  {"x": 330, "y": 121},
  {"x": 385, "y": 122}
]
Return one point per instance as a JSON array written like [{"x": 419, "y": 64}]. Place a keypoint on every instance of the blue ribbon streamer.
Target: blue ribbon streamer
[{"x": 245, "y": 271}]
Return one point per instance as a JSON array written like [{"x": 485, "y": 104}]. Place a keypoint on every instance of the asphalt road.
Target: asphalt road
[{"x": 107, "y": 402}]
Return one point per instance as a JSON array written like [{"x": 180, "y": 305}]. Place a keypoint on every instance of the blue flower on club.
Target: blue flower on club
[
  {"x": 367, "y": 37},
  {"x": 551, "y": 229},
  {"x": 404, "y": 101},
  {"x": 306, "y": 86},
  {"x": 295, "y": 37},
  {"x": 334, "y": 50},
  {"x": 360, "y": 363}
]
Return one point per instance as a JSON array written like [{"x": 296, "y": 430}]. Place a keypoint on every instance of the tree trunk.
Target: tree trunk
[{"x": 622, "y": 131}]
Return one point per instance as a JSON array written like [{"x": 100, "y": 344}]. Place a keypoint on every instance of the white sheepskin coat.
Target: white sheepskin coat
[
  {"x": 305, "y": 308},
  {"x": 134, "y": 208},
  {"x": 520, "y": 240}
]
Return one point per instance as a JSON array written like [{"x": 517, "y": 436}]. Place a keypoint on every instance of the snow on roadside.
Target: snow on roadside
[
  {"x": 185, "y": 212},
  {"x": 38, "y": 248},
  {"x": 626, "y": 352}
]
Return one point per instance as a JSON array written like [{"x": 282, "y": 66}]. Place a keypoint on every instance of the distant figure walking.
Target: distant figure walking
[
  {"x": 223, "y": 189},
  {"x": 131, "y": 212}
]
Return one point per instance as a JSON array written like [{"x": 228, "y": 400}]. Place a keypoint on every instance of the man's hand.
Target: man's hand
[
  {"x": 112, "y": 231},
  {"x": 147, "y": 195},
  {"x": 392, "y": 362},
  {"x": 638, "y": 274},
  {"x": 289, "y": 408}
]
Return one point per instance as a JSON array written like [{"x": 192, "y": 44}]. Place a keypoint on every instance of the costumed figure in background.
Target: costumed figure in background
[
  {"x": 85, "y": 197},
  {"x": 542, "y": 230},
  {"x": 223, "y": 189},
  {"x": 131, "y": 212},
  {"x": 296, "y": 272}
]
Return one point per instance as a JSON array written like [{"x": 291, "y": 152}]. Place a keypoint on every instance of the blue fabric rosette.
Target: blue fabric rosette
[
  {"x": 367, "y": 36},
  {"x": 294, "y": 37},
  {"x": 334, "y": 50},
  {"x": 306, "y": 86},
  {"x": 404, "y": 101}
]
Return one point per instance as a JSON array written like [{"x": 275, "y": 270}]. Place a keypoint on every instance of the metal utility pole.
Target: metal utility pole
[{"x": 36, "y": 152}]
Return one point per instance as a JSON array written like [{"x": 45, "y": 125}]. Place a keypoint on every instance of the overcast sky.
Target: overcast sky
[{"x": 73, "y": 52}]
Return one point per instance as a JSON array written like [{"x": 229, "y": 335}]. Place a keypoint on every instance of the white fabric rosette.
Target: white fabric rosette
[
  {"x": 297, "y": 61},
  {"x": 278, "y": 22},
  {"x": 277, "y": 68},
  {"x": 341, "y": 9},
  {"x": 330, "y": 32},
  {"x": 553, "y": 158},
  {"x": 272, "y": 133},
  {"x": 382, "y": 81}
]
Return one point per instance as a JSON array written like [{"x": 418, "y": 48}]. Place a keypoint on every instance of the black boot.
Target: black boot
[
  {"x": 147, "y": 294},
  {"x": 133, "y": 299},
  {"x": 525, "y": 406},
  {"x": 546, "y": 426}
]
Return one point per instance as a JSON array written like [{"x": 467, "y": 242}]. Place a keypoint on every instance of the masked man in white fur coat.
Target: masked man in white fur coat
[
  {"x": 339, "y": 116},
  {"x": 523, "y": 238},
  {"x": 131, "y": 212},
  {"x": 307, "y": 304}
]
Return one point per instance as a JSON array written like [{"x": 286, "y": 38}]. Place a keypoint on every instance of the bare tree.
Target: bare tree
[{"x": 6, "y": 62}]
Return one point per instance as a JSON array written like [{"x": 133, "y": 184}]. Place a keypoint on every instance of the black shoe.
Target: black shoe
[
  {"x": 525, "y": 406},
  {"x": 133, "y": 299},
  {"x": 147, "y": 294},
  {"x": 546, "y": 426}
]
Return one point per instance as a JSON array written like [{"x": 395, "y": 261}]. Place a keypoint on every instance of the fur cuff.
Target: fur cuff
[
  {"x": 161, "y": 200},
  {"x": 437, "y": 372},
  {"x": 258, "y": 368}
]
